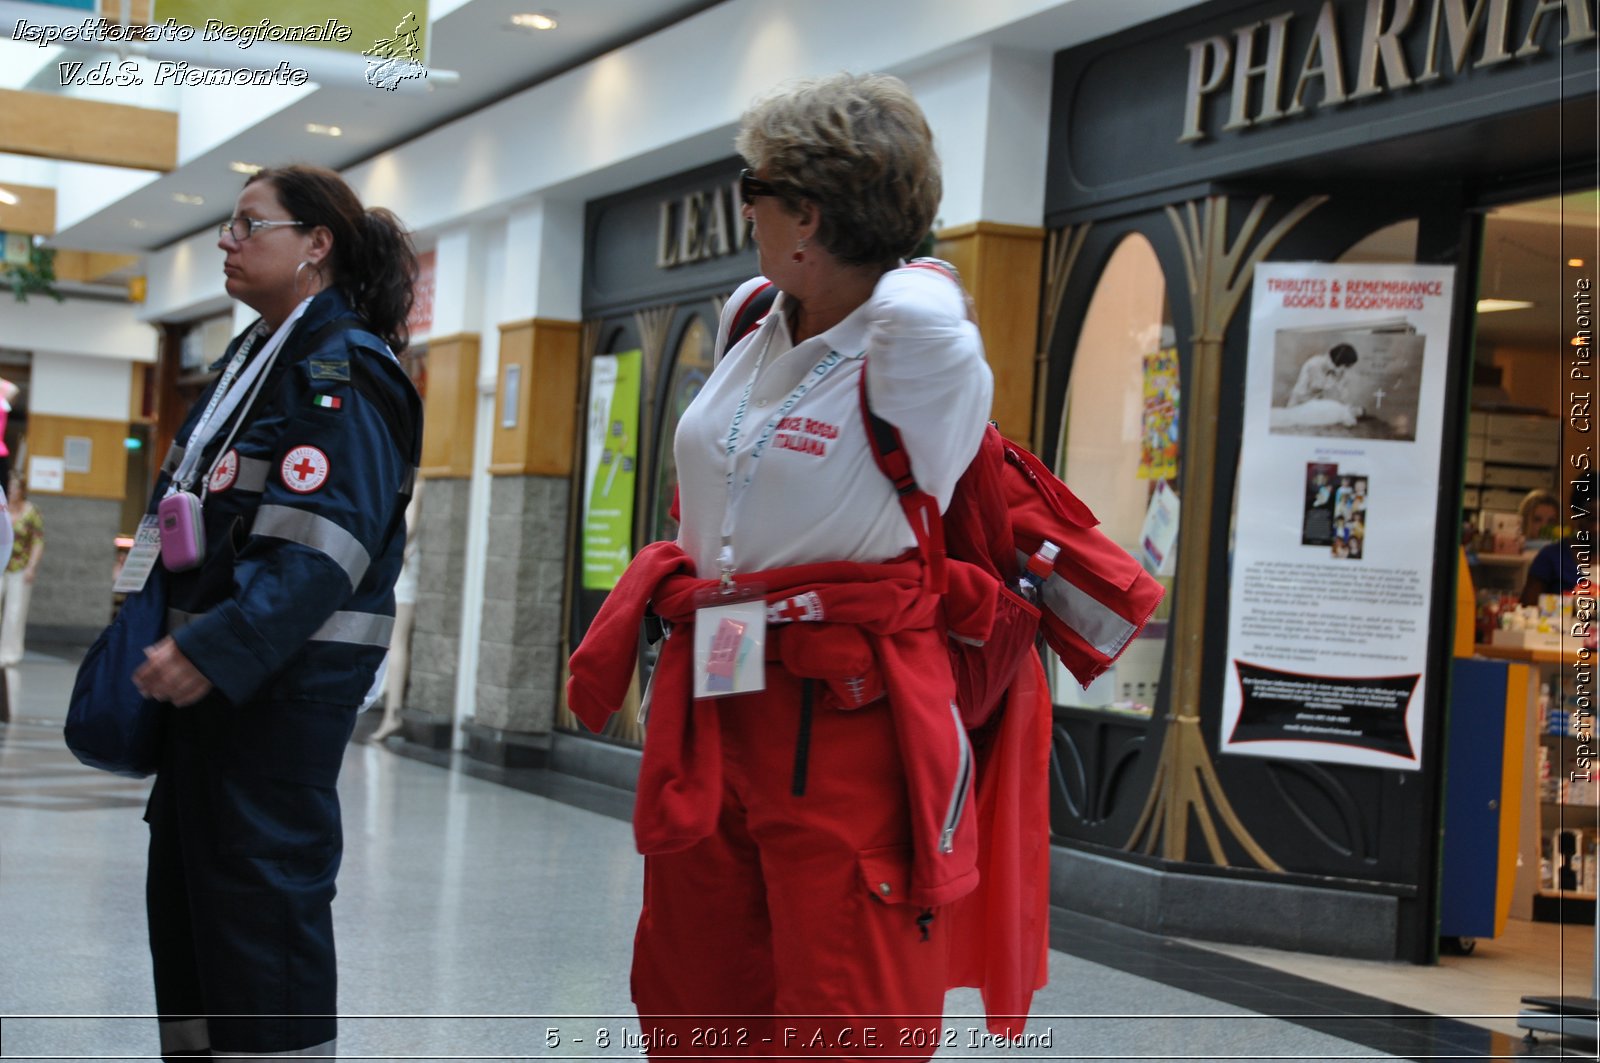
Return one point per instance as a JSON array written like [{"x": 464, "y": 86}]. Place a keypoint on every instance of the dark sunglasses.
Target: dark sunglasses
[{"x": 751, "y": 186}]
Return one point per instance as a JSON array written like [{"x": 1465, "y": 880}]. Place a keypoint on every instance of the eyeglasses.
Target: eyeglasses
[
  {"x": 242, "y": 229},
  {"x": 751, "y": 186}
]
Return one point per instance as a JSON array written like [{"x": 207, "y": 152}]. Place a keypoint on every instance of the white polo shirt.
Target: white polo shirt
[{"x": 815, "y": 493}]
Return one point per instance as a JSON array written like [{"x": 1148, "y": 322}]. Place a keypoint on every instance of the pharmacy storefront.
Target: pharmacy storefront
[{"x": 1317, "y": 328}]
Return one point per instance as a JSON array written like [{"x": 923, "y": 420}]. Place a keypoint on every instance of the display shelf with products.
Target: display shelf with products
[
  {"x": 1559, "y": 862},
  {"x": 1569, "y": 815}
]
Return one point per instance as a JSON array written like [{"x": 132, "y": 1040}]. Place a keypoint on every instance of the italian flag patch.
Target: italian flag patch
[{"x": 329, "y": 402}]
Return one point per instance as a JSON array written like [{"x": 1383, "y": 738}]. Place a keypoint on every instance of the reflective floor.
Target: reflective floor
[{"x": 479, "y": 920}]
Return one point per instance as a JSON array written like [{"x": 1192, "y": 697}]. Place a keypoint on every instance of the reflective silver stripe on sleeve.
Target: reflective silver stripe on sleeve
[
  {"x": 1097, "y": 624},
  {"x": 253, "y": 474},
  {"x": 174, "y": 458},
  {"x": 355, "y": 629},
  {"x": 184, "y": 1035},
  {"x": 319, "y": 533},
  {"x": 408, "y": 486},
  {"x": 361, "y": 629},
  {"x": 343, "y": 626}
]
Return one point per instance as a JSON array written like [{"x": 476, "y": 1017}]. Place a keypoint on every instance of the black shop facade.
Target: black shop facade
[{"x": 1315, "y": 324}]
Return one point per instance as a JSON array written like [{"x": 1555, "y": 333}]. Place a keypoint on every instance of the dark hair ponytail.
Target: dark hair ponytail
[
  {"x": 387, "y": 282},
  {"x": 373, "y": 261}
]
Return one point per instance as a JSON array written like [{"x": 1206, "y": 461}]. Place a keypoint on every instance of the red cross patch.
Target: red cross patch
[
  {"x": 304, "y": 469},
  {"x": 225, "y": 472},
  {"x": 805, "y": 607}
]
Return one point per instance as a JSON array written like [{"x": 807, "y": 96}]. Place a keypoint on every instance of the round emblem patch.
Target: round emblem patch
[
  {"x": 304, "y": 469},
  {"x": 226, "y": 471}
]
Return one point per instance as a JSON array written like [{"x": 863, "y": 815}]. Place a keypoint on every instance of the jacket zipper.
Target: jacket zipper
[{"x": 958, "y": 798}]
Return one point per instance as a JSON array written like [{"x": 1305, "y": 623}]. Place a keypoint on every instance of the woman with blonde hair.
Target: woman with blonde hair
[{"x": 805, "y": 823}]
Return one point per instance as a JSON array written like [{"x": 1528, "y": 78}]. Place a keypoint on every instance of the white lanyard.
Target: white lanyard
[
  {"x": 229, "y": 392},
  {"x": 736, "y": 495}
]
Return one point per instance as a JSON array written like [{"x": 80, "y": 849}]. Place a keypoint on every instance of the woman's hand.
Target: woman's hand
[{"x": 167, "y": 675}]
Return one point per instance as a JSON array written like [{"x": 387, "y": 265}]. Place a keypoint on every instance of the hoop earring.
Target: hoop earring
[{"x": 315, "y": 268}]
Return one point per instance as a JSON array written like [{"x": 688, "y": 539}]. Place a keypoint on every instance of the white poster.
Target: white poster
[{"x": 1338, "y": 478}]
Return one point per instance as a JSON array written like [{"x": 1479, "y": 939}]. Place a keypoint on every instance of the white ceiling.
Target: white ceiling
[{"x": 475, "y": 41}]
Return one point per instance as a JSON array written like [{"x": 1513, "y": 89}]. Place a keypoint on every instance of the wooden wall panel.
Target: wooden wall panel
[
  {"x": 451, "y": 406},
  {"x": 545, "y": 355},
  {"x": 77, "y": 130},
  {"x": 1002, "y": 267},
  {"x": 108, "y": 456},
  {"x": 34, "y": 212}
]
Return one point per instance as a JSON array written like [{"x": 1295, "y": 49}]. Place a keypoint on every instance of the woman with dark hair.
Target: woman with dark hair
[
  {"x": 805, "y": 835},
  {"x": 294, "y": 468},
  {"x": 1318, "y": 397},
  {"x": 1322, "y": 375}
]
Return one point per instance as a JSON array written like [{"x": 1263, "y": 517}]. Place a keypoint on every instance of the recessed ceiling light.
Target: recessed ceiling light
[
  {"x": 190, "y": 200},
  {"x": 1575, "y": 263},
  {"x": 135, "y": 223},
  {"x": 538, "y": 20},
  {"x": 324, "y": 130},
  {"x": 8, "y": 197},
  {"x": 1494, "y": 306},
  {"x": 246, "y": 168}
]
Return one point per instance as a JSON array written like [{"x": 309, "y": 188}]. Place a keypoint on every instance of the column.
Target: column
[
  {"x": 521, "y": 643},
  {"x": 450, "y": 423},
  {"x": 77, "y": 416}
]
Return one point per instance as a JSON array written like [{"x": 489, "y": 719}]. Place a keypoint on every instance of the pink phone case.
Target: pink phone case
[{"x": 183, "y": 535}]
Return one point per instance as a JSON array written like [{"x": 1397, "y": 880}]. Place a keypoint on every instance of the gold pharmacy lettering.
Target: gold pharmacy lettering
[{"x": 1256, "y": 55}]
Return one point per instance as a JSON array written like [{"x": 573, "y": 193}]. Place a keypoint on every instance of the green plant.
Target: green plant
[{"x": 36, "y": 276}]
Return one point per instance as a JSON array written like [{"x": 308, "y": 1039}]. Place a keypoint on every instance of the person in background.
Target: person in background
[
  {"x": 1558, "y": 567},
  {"x": 16, "y": 587},
  {"x": 405, "y": 613},
  {"x": 803, "y": 841},
  {"x": 302, "y": 456},
  {"x": 1540, "y": 511},
  {"x": 1322, "y": 375}
]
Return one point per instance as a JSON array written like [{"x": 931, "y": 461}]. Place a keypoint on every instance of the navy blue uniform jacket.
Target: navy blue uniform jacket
[{"x": 304, "y": 520}]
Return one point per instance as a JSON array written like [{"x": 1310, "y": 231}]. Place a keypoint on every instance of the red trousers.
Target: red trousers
[{"x": 786, "y": 932}]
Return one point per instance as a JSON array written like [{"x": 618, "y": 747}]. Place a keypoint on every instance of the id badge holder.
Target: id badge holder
[
  {"x": 141, "y": 559},
  {"x": 730, "y": 642}
]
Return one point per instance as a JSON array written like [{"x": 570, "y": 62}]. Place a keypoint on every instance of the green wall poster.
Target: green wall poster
[{"x": 610, "y": 461}]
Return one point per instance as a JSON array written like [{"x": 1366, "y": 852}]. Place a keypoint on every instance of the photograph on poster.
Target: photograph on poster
[
  {"x": 1336, "y": 509},
  {"x": 1362, "y": 382},
  {"x": 1349, "y": 515},
  {"x": 1317, "y": 527}
]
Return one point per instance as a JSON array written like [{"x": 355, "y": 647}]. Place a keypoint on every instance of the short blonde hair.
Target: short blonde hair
[
  {"x": 859, "y": 147},
  {"x": 1532, "y": 501}
]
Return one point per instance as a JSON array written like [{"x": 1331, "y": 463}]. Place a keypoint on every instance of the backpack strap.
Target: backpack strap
[
  {"x": 750, "y": 314},
  {"x": 920, "y": 507},
  {"x": 889, "y": 451}
]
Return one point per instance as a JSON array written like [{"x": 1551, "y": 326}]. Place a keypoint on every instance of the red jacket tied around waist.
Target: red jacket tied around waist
[{"x": 867, "y": 622}]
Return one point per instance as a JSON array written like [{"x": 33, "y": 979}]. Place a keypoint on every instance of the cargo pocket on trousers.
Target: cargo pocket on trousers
[
  {"x": 886, "y": 872},
  {"x": 260, "y": 816}
]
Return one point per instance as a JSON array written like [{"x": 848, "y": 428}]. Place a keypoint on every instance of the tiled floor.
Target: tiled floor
[
  {"x": 474, "y": 918},
  {"x": 1483, "y": 988}
]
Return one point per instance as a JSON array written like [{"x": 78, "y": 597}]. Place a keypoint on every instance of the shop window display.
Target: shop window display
[
  {"x": 1119, "y": 452},
  {"x": 690, "y": 367}
]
